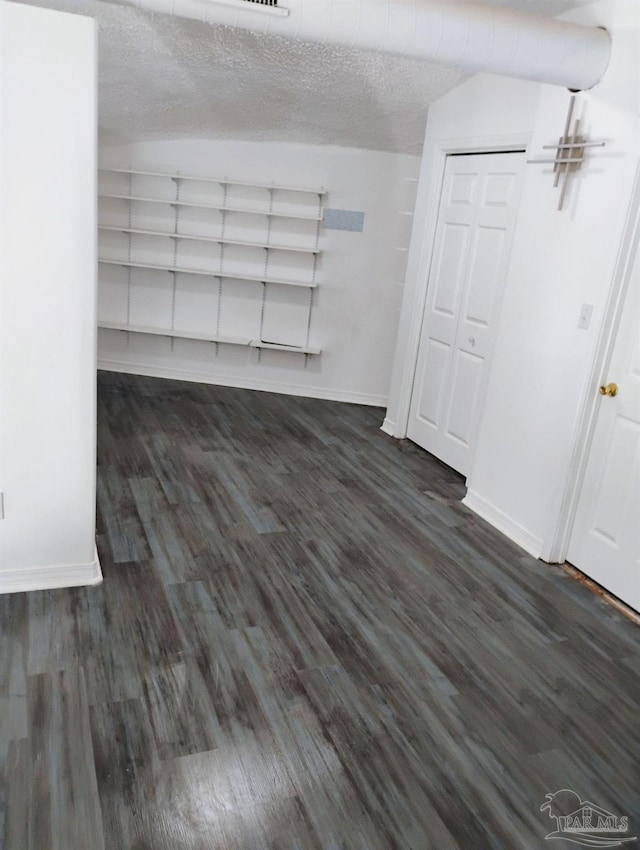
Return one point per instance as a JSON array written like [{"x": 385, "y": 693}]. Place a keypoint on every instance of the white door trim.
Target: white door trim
[
  {"x": 426, "y": 227},
  {"x": 555, "y": 550}
]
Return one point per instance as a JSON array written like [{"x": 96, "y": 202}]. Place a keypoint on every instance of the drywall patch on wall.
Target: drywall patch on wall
[{"x": 343, "y": 220}]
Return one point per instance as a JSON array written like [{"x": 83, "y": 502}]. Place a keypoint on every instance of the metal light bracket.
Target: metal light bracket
[{"x": 569, "y": 153}]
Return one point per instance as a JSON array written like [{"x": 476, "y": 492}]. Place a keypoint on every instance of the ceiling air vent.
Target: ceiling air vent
[{"x": 271, "y": 7}]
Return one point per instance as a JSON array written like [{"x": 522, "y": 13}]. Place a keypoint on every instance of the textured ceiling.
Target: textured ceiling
[{"x": 163, "y": 77}]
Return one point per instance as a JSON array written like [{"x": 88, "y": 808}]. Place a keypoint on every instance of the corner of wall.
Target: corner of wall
[
  {"x": 52, "y": 577},
  {"x": 498, "y": 519}
]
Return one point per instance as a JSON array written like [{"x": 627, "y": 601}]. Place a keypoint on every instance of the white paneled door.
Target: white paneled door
[
  {"x": 478, "y": 207},
  {"x": 605, "y": 543}
]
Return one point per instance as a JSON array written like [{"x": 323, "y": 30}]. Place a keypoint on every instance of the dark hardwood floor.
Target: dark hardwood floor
[{"x": 302, "y": 640}]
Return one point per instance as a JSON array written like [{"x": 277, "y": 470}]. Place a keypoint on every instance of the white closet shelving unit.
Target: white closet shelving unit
[{"x": 186, "y": 225}]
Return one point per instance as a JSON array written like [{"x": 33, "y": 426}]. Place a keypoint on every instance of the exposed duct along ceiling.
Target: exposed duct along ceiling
[
  {"x": 164, "y": 77},
  {"x": 470, "y": 35}
]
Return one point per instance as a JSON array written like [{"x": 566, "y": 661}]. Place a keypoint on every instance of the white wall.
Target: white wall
[
  {"x": 47, "y": 298},
  {"x": 542, "y": 363},
  {"x": 356, "y": 304}
]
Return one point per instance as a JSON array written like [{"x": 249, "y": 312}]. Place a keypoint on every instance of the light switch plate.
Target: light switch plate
[{"x": 586, "y": 311}]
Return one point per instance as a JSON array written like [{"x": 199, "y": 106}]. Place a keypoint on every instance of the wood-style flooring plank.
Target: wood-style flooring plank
[
  {"x": 63, "y": 804},
  {"x": 303, "y": 641}
]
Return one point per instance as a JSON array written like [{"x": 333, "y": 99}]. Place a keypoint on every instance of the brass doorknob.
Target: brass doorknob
[{"x": 610, "y": 390}]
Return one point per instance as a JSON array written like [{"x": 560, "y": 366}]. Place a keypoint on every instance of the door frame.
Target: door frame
[
  {"x": 556, "y": 548},
  {"x": 412, "y": 323}
]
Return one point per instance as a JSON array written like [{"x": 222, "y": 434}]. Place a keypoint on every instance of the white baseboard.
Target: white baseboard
[
  {"x": 243, "y": 384},
  {"x": 509, "y": 527},
  {"x": 49, "y": 578},
  {"x": 388, "y": 427}
]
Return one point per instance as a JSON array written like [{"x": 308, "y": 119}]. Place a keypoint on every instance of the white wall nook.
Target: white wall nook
[{"x": 202, "y": 258}]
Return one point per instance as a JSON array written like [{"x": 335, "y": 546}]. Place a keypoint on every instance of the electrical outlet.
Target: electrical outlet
[{"x": 586, "y": 311}]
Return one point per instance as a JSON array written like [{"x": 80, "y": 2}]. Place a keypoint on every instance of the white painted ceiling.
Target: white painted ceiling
[{"x": 163, "y": 77}]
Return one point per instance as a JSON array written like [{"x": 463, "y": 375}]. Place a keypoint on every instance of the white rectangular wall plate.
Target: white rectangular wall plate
[{"x": 584, "y": 320}]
